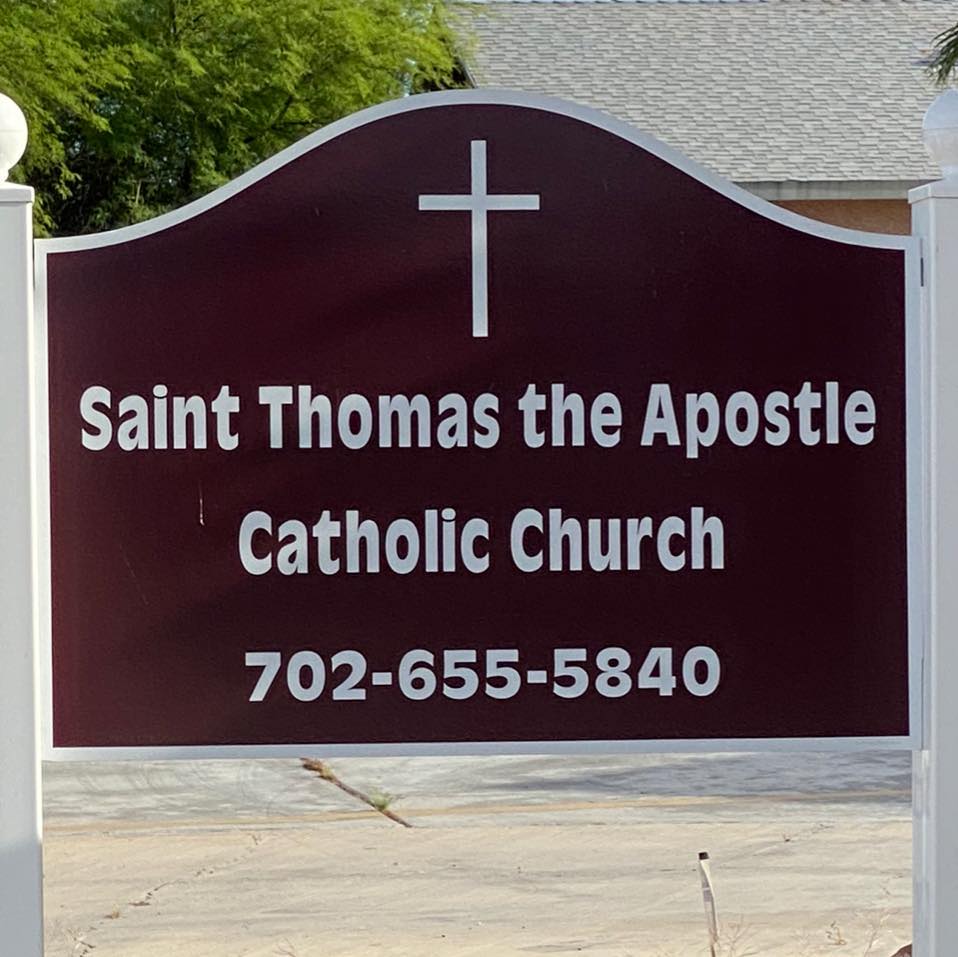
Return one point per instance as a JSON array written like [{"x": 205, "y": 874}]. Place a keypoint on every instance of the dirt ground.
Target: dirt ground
[{"x": 507, "y": 856}]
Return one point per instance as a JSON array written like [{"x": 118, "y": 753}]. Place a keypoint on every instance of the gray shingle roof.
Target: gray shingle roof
[{"x": 758, "y": 90}]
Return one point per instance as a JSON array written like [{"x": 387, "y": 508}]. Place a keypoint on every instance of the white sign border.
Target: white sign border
[{"x": 917, "y": 467}]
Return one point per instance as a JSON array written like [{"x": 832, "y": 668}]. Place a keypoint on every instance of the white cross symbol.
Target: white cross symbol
[{"x": 479, "y": 203}]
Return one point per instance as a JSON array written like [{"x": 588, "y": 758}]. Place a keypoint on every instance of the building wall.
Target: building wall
[{"x": 872, "y": 215}]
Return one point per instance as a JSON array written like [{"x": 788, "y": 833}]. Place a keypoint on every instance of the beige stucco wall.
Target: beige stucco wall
[{"x": 873, "y": 215}]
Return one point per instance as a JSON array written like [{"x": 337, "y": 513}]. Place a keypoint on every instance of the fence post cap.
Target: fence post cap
[{"x": 13, "y": 135}]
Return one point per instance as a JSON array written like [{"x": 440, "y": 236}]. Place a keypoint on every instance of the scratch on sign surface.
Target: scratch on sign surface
[{"x": 136, "y": 582}]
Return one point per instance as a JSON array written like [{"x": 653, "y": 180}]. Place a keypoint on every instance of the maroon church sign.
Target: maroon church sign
[{"x": 479, "y": 421}]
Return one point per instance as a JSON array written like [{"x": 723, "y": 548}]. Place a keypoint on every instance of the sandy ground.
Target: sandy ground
[{"x": 811, "y": 855}]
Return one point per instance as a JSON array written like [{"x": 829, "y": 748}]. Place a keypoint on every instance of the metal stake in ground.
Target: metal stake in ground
[{"x": 708, "y": 897}]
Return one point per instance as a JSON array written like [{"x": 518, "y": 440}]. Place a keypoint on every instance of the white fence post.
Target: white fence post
[
  {"x": 21, "y": 873},
  {"x": 935, "y": 798}
]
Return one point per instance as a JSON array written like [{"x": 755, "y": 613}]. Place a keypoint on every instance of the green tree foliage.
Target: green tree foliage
[
  {"x": 138, "y": 106},
  {"x": 944, "y": 55},
  {"x": 55, "y": 59}
]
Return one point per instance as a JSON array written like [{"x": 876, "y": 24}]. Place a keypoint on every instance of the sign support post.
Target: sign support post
[
  {"x": 935, "y": 791},
  {"x": 21, "y": 871}
]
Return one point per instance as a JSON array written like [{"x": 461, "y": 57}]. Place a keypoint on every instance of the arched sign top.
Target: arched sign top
[{"x": 472, "y": 98}]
